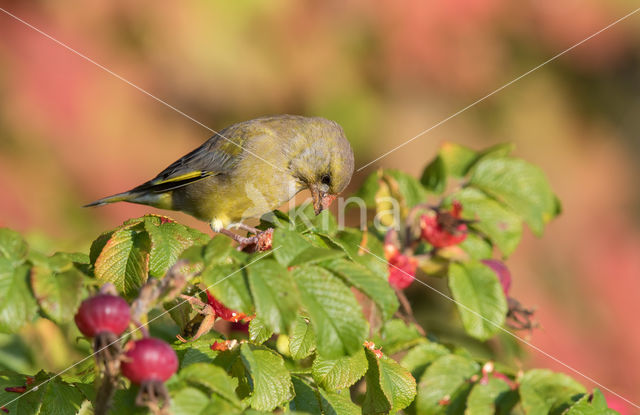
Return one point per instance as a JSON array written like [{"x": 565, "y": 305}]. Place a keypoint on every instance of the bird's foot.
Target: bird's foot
[{"x": 261, "y": 241}]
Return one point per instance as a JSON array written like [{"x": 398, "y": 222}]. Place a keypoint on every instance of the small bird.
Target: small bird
[{"x": 249, "y": 169}]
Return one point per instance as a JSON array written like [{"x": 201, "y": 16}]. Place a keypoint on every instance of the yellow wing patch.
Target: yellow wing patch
[{"x": 186, "y": 176}]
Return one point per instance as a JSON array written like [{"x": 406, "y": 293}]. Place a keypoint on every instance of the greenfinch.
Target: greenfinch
[{"x": 251, "y": 168}]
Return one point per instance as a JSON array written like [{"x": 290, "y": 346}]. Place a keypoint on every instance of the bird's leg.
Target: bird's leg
[
  {"x": 248, "y": 228},
  {"x": 242, "y": 240}
]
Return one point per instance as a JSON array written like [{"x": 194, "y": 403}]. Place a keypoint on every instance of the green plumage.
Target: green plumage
[{"x": 249, "y": 169}]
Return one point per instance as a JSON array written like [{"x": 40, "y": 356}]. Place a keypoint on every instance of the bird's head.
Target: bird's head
[{"x": 324, "y": 164}]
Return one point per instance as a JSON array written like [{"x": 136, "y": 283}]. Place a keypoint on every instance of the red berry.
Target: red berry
[
  {"x": 103, "y": 312},
  {"x": 445, "y": 228},
  {"x": 501, "y": 271},
  {"x": 402, "y": 268},
  {"x": 148, "y": 359}
]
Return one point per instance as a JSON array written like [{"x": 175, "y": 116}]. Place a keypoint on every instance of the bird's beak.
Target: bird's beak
[{"x": 321, "y": 200}]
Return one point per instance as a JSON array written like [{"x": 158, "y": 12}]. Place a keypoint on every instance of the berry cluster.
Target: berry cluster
[{"x": 147, "y": 362}]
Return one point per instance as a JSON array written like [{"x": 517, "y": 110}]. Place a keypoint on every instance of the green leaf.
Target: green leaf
[
  {"x": 17, "y": 305},
  {"x": 420, "y": 357},
  {"x": 502, "y": 226},
  {"x": 306, "y": 398},
  {"x": 402, "y": 186},
  {"x": 479, "y": 298},
  {"x": 445, "y": 380},
  {"x": 476, "y": 247},
  {"x": 287, "y": 245},
  {"x": 25, "y": 404},
  {"x": 340, "y": 373},
  {"x": 376, "y": 288},
  {"x": 338, "y": 403},
  {"x": 484, "y": 399},
  {"x": 352, "y": 241},
  {"x": 545, "y": 392},
  {"x": 189, "y": 401},
  {"x": 335, "y": 314},
  {"x": 596, "y": 404},
  {"x": 270, "y": 379},
  {"x": 409, "y": 187},
  {"x": 258, "y": 331},
  {"x": 217, "y": 251},
  {"x": 274, "y": 294},
  {"x": 228, "y": 284},
  {"x": 124, "y": 261},
  {"x": 61, "y": 399},
  {"x": 58, "y": 294},
  {"x": 313, "y": 255},
  {"x": 519, "y": 185},
  {"x": 213, "y": 378},
  {"x": 434, "y": 176},
  {"x": 12, "y": 247},
  {"x": 168, "y": 241},
  {"x": 390, "y": 387},
  {"x": 302, "y": 341},
  {"x": 396, "y": 335},
  {"x": 457, "y": 158}
]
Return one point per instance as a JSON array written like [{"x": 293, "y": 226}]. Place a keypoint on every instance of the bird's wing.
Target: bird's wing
[{"x": 216, "y": 156}]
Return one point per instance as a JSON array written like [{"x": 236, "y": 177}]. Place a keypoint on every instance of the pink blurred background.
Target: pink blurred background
[{"x": 70, "y": 132}]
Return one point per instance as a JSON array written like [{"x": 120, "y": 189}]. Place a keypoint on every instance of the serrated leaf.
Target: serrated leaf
[
  {"x": 12, "y": 247},
  {"x": 270, "y": 379},
  {"x": 457, "y": 158},
  {"x": 313, "y": 255},
  {"x": 168, "y": 241},
  {"x": 444, "y": 381},
  {"x": 502, "y": 226},
  {"x": 275, "y": 297},
  {"x": 396, "y": 335},
  {"x": 302, "y": 341},
  {"x": 58, "y": 294},
  {"x": 402, "y": 186},
  {"x": 521, "y": 186},
  {"x": 376, "y": 288},
  {"x": 287, "y": 245},
  {"x": 592, "y": 405},
  {"x": 189, "y": 401},
  {"x": 476, "y": 247},
  {"x": 61, "y": 399},
  {"x": 228, "y": 284},
  {"x": 351, "y": 240},
  {"x": 545, "y": 392},
  {"x": 306, "y": 399},
  {"x": 213, "y": 378},
  {"x": 390, "y": 387},
  {"x": 26, "y": 404},
  {"x": 338, "y": 403},
  {"x": 124, "y": 260},
  {"x": 217, "y": 251},
  {"x": 335, "y": 314},
  {"x": 420, "y": 357},
  {"x": 340, "y": 373},
  {"x": 484, "y": 399},
  {"x": 17, "y": 305},
  {"x": 258, "y": 331},
  {"x": 479, "y": 298},
  {"x": 434, "y": 176}
]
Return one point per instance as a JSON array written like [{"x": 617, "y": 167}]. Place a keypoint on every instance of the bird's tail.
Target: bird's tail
[{"x": 120, "y": 197}]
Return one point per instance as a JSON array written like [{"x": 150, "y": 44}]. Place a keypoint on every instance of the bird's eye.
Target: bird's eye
[{"x": 326, "y": 179}]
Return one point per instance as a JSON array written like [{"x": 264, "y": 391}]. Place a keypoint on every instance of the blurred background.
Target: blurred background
[{"x": 71, "y": 132}]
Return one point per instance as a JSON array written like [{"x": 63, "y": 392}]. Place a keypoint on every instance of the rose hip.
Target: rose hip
[
  {"x": 149, "y": 359},
  {"x": 103, "y": 313},
  {"x": 445, "y": 228}
]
